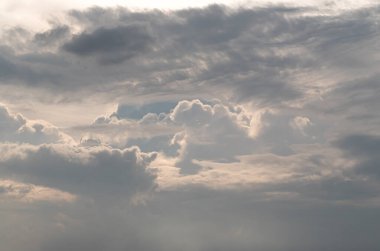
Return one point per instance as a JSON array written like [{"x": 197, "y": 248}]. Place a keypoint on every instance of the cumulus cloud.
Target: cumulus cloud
[
  {"x": 191, "y": 130},
  {"x": 84, "y": 171},
  {"x": 60, "y": 179},
  {"x": 16, "y": 128},
  {"x": 210, "y": 132}
]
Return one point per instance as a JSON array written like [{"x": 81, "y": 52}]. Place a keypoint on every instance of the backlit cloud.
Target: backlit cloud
[{"x": 215, "y": 127}]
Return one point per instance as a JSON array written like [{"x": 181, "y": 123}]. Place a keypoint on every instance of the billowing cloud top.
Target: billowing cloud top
[{"x": 196, "y": 129}]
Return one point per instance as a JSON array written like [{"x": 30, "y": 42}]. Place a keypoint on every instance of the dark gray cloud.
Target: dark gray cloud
[
  {"x": 365, "y": 150},
  {"x": 212, "y": 26},
  {"x": 52, "y": 36},
  {"x": 361, "y": 145},
  {"x": 100, "y": 172},
  {"x": 15, "y": 70},
  {"x": 12, "y": 70},
  {"x": 269, "y": 56},
  {"x": 111, "y": 45},
  {"x": 352, "y": 101}
]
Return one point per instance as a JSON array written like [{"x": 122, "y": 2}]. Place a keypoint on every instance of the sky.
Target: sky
[{"x": 169, "y": 126}]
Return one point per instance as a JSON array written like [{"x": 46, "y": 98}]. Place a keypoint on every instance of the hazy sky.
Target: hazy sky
[{"x": 165, "y": 126}]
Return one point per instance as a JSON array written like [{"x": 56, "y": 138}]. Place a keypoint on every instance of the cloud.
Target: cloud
[
  {"x": 94, "y": 172},
  {"x": 139, "y": 111},
  {"x": 349, "y": 103},
  {"x": 191, "y": 131},
  {"x": 313, "y": 174},
  {"x": 272, "y": 56},
  {"x": 52, "y": 36},
  {"x": 281, "y": 130},
  {"x": 210, "y": 132},
  {"x": 53, "y": 182},
  {"x": 111, "y": 45},
  {"x": 31, "y": 193},
  {"x": 16, "y": 70},
  {"x": 364, "y": 149},
  {"x": 203, "y": 221},
  {"x": 16, "y": 128},
  {"x": 235, "y": 129},
  {"x": 10, "y": 70}
]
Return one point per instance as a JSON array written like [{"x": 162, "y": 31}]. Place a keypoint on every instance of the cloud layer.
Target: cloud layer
[{"x": 212, "y": 128}]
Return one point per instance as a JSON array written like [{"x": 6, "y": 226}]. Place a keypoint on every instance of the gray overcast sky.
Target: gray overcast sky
[{"x": 165, "y": 126}]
